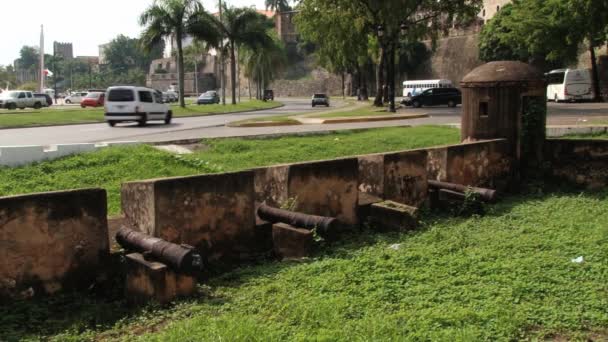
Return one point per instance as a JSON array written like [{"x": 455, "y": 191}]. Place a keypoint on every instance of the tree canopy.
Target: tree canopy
[{"x": 123, "y": 54}]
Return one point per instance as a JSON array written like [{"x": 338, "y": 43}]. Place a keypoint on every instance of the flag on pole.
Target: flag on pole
[{"x": 48, "y": 73}]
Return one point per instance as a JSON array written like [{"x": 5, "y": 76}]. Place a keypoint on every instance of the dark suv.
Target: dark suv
[{"x": 434, "y": 97}]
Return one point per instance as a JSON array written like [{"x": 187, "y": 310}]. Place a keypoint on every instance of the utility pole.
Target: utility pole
[
  {"x": 42, "y": 73},
  {"x": 222, "y": 79}
]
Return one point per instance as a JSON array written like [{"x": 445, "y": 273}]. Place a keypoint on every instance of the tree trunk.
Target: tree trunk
[
  {"x": 180, "y": 68},
  {"x": 233, "y": 72},
  {"x": 343, "y": 86},
  {"x": 249, "y": 86},
  {"x": 364, "y": 93},
  {"x": 379, "y": 101},
  {"x": 391, "y": 79},
  {"x": 594, "y": 72}
]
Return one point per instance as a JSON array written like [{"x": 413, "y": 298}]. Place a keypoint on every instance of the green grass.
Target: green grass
[
  {"x": 366, "y": 111},
  {"x": 587, "y": 136},
  {"x": 274, "y": 119},
  {"x": 503, "y": 277},
  {"x": 52, "y": 116},
  {"x": 110, "y": 167}
]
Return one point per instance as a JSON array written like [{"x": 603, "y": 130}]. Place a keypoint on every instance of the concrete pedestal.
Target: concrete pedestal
[
  {"x": 154, "y": 281},
  {"x": 391, "y": 215},
  {"x": 290, "y": 242}
]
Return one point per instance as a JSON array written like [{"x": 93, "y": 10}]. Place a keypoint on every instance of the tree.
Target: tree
[
  {"x": 176, "y": 19},
  {"x": 278, "y": 5},
  {"x": 124, "y": 53},
  {"x": 538, "y": 32},
  {"x": 592, "y": 17},
  {"x": 392, "y": 21},
  {"x": 246, "y": 28},
  {"x": 263, "y": 64},
  {"x": 29, "y": 57},
  {"x": 546, "y": 33},
  {"x": 340, "y": 37}
]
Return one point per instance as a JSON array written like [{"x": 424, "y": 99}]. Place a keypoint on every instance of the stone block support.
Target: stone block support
[
  {"x": 290, "y": 242},
  {"x": 153, "y": 281}
]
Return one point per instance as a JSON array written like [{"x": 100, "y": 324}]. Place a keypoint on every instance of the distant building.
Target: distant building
[
  {"x": 63, "y": 50},
  {"x": 491, "y": 8}
]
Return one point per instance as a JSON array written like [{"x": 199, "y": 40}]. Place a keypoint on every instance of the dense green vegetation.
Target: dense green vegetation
[
  {"x": 503, "y": 277},
  {"x": 53, "y": 116},
  {"x": 110, "y": 167}
]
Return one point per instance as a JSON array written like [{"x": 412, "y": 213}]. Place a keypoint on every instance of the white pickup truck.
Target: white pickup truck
[{"x": 21, "y": 99}]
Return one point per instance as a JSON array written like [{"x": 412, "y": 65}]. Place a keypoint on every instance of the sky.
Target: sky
[{"x": 86, "y": 24}]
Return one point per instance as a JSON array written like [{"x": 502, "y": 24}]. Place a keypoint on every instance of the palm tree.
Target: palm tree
[
  {"x": 278, "y": 5},
  {"x": 264, "y": 64},
  {"x": 177, "y": 19},
  {"x": 247, "y": 28}
]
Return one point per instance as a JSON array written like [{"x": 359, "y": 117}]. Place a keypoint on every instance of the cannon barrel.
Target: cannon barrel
[
  {"x": 485, "y": 194},
  {"x": 182, "y": 258},
  {"x": 275, "y": 215}
]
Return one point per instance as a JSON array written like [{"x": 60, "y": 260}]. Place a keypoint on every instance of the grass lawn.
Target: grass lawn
[
  {"x": 502, "y": 277},
  {"x": 277, "y": 118},
  {"x": 110, "y": 167},
  {"x": 365, "y": 111},
  {"x": 586, "y": 136},
  {"x": 52, "y": 116}
]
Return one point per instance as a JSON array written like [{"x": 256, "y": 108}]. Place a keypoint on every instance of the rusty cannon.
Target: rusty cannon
[
  {"x": 487, "y": 195},
  {"x": 183, "y": 258},
  {"x": 324, "y": 224}
]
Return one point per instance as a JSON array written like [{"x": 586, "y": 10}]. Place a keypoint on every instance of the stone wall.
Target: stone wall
[
  {"x": 59, "y": 240},
  {"x": 321, "y": 82},
  {"x": 214, "y": 213},
  {"x": 583, "y": 162},
  {"x": 402, "y": 177},
  {"x": 52, "y": 241}
]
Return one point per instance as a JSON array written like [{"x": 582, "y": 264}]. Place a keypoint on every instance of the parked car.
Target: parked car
[
  {"x": 46, "y": 98},
  {"x": 19, "y": 99},
  {"x": 320, "y": 99},
  {"x": 209, "y": 97},
  {"x": 268, "y": 95},
  {"x": 135, "y": 104},
  {"x": 93, "y": 99},
  {"x": 170, "y": 96},
  {"x": 75, "y": 97},
  {"x": 435, "y": 97}
]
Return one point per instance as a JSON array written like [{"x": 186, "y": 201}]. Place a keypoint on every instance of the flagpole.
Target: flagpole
[{"x": 42, "y": 59}]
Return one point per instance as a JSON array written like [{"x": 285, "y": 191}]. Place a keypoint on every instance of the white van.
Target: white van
[
  {"x": 135, "y": 104},
  {"x": 569, "y": 85},
  {"x": 412, "y": 88}
]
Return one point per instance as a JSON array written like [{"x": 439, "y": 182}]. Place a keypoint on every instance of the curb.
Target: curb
[
  {"x": 266, "y": 136},
  {"x": 373, "y": 119},
  {"x": 175, "y": 117}
]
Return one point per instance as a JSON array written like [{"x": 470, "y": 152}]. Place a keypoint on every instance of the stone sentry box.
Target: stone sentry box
[
  {"x": 52, "y": 241},
  {"x": 506, "y": 100}
]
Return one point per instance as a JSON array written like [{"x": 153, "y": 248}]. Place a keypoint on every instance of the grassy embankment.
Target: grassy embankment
[
  {"x": 502, "y": 277},
  {"x": 505, "y": 276},
  {"x": 53, "y": 116}
]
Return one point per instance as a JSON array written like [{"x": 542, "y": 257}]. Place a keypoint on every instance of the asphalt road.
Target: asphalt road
[{"x": 214, "y": 126}]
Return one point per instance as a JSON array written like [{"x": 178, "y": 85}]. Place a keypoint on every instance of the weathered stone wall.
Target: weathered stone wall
[
  {"x": 453, "y": 58},
  {"x": 327, "y": 188},
  {"x": 485, "y": 164},
  {"x": 582, "y": 162},
  {"x": 321, "y": 81},
  {"x": 52, "y": 241},
  {"x": 214, "y": 213},
  {"x": 402, "y": 177}
]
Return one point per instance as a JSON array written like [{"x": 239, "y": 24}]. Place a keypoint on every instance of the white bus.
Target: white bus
[
  {"x": 569, "y": 85},
  {"x": 411, "y": 88}
]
